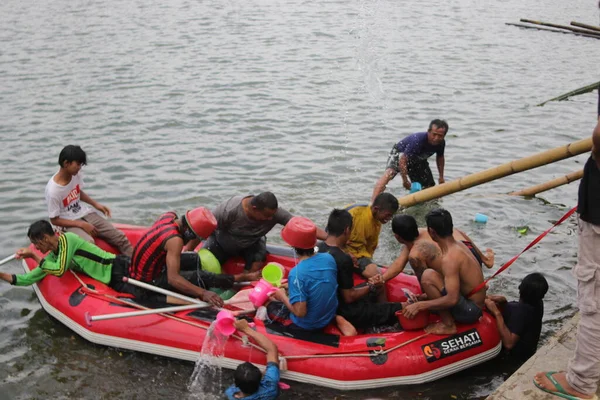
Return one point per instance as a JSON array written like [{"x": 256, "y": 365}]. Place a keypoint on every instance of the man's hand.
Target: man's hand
[
  {"x": 89, "y": 228},
  {"x": 441, "y": 180},
  {"x": 492, "y": 308},
  {"x": 104, "y": 210},
  {"x": 406, "y": 184},
  {"x": 241, "y": 325},
  {"x": 376, "y": 280},
  {"x": 411, "y": 310},
  {"x": 212, "y": 298},
  {"x": 24, "y": 253},
  {"x": 279, "y": 295}
]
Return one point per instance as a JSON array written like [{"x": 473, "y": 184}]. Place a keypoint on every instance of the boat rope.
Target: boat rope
[{"x": 530, "y": 245}]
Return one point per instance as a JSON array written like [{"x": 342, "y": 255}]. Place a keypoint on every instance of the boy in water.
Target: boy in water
[
  {"x": 250, "y": 384},
  {"x": 520, "y": 322},
  {"x": 67, "y": 206}
]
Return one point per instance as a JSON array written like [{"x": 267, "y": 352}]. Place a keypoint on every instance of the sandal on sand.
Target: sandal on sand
[{"x": 560, "y": 391}]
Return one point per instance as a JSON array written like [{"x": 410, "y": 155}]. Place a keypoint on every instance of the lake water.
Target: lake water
[{"x": 180, "y": 104}]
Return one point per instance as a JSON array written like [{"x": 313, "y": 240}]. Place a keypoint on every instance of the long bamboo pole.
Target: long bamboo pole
[
  {"x": 586, "y": 26},
  {"x": 542, "y": 187},
  {"x": 576, "y": 92},
  {"x": 569, "y": 28},
  {"x": 540, "y": 28},
  {"x": 523, "y": 164}
]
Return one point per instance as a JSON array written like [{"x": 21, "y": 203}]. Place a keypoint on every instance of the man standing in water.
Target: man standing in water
[
  {"x": 447, "y": 291},
  {"x": 415, "y": 150},
  {"x": 581, "y": 378}
]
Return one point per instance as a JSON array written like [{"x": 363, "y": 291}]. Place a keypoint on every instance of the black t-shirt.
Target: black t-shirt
[
  {"x": 524, "y": 320},
  {"x": 345, "y": 267},
  {"x": 588, "y": 205}
]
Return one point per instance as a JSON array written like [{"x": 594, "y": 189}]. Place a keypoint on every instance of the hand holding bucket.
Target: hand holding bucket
[
  {"x": 261, "y": 293},
  {"x": 225, "y": 322}
]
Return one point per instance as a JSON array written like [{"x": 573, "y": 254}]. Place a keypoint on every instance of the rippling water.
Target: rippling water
[{"x": 180, "y": 104}]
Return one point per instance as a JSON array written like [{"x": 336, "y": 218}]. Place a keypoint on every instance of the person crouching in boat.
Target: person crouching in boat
[
  {"x": 358, "y": 305},
  {"x": 249, "y": 382},
  {"x": 447, "y": 288},
  {"x": 312, "y": 282},
  {"x": 157, "y": 258},
  {"x": 67, "y": 251}
]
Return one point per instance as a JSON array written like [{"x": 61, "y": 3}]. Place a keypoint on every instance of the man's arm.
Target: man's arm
[
  {"x": 381, "y": 184},
  {"x": 402, "y": 164},
  {"x": 440, "y": 161},
  {"x": 398, "y": 265},
  {"x": 298, "y": 308},
  {"x": 452, "y": 285},
  {"x": 173, "y": 247},
  {"x": 509, "y": 339},
  {"x": 260, "y": 339},
  {"x": 102, "y": 208}
]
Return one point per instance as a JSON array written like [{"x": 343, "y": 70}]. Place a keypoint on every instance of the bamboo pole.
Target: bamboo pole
[
  {"x": 569, "y": 28},
  {"x": 576, "y": 92},
  {"x": 590, "y": 27},
  {"x": 539, "y": 28},
  {"x": 523, "y": 164},
  {"x": 542, "y": 187}
]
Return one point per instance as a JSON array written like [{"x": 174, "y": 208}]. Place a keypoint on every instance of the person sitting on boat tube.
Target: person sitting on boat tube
[
  {"x": 446, "y": 287},
  {"x": 250, "y": 384},
  {"x": 312, "y": 284},
  {"x": 67, "y": 251},
  {"x": 242, "y": 223},
  {"x": 366, "y": 226},
  {"x": 422, "y": 252},
  {"x": 358, "y": 305},
  {"x": 415, "y": 150},
  {"x": 158, "y": 258},
  {"x": 68, "y": 207}
]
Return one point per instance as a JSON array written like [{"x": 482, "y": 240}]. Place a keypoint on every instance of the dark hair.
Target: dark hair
[
  {"x": 386, "y": 202},
  {"x": 440, "y": 123},
  {"x": 264, "y": 200},
  {"x": 39, "y": 229},
  {"x": 533, "y": 288},
  {"x": 440, "y": 221},
  {"x": 72, "y": 153},
  {"x": 247, "y": 378},
  {"x": 338, "y": 221},
  {"x": 304, "y": 252},
  {"x": 406, "y": 227}
]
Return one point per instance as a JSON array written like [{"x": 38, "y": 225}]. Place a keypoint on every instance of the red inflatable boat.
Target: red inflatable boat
[{"x": 327, "y": 359}]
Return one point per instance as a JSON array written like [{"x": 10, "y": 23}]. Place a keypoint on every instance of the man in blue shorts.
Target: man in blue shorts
[
  {"x": 249, "y": 382},
  {"x": 415, "y": 150}
]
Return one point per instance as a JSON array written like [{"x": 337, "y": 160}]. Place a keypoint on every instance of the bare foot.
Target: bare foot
[
  {"x": 439, "y": 328},
  {"x": 345, "y": 326},
  {"x": 489, "y": 258},
  {"x": 561, "y": 377}
]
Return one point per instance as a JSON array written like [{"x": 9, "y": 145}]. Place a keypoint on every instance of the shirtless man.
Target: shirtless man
[
  {"x": 447, "y": 289},
  {"x": 422, "y": 252}
]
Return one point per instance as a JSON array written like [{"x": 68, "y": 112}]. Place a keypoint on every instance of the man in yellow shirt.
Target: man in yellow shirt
[{"x": 366, "y": 226}]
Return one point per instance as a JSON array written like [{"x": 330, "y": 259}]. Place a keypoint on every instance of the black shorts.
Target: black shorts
[
  {"x": 252, "y": 254},
  {"x": 465, "y": 311},
  {"x": 365, "y": 314},
  {"x": 418, "y": 168},
  {"x": 472, "y": 248}
]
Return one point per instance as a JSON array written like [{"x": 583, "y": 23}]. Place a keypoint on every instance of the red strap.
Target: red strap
[{"x": 530, "y": 245}]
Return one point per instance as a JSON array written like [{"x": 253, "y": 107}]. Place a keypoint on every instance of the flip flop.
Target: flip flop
[{"x": 560, "y": 391}]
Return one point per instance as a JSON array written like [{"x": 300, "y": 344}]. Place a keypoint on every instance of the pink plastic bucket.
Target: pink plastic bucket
[
  {"x": 261, "y": 293},
  {"x": 224, "y": 323}
]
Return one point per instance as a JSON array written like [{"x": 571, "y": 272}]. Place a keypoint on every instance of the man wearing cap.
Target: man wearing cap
[
  {"x": 157, "y": 257},
  {"x": 243, "y": 223},
  {"x": 312, "y": 284},
  {"x": 413, "y": 165}
]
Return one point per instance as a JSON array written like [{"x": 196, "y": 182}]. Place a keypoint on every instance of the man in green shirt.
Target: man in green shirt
[{"x": 67, "y": 251}]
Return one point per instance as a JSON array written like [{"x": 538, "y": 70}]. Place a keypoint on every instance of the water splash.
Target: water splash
[{"x": 206, "y": 380}]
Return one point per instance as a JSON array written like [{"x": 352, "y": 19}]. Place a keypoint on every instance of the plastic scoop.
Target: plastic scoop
[{"x": 224, "y": 323}]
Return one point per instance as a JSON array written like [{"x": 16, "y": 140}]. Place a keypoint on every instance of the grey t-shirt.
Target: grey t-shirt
[{"x": 235, "y": 231}]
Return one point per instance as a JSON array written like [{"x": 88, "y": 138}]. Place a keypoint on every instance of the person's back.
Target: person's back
[
  {"x": 524, "y": 320},
  {"x": 314, "y": 280},
  {"x": 470, "y": 272}
]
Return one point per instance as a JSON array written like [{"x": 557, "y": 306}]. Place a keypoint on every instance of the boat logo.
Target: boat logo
[{"x": 451, "y": 345}]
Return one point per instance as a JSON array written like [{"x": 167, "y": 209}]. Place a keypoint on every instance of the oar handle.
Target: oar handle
[
  {"x": 7, "y": 259},
  {"x": 166, "y": 292}
]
